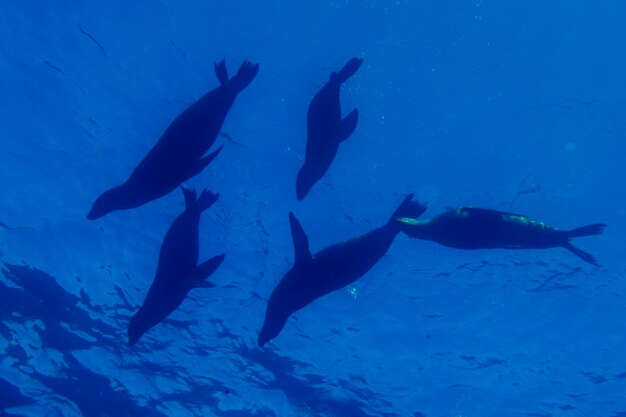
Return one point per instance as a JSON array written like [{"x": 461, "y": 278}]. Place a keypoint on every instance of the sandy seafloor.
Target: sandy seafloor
[{"x": 516, "y": 106}]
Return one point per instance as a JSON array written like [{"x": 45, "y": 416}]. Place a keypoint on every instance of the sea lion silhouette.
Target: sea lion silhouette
[
  {"x": 326, "y": 129},
  {"x": 479, "y": 228},
  {"x": 178, "y": 270},
  {"x": 179, "y": 153},
  {"x": 313, "y": 276}
]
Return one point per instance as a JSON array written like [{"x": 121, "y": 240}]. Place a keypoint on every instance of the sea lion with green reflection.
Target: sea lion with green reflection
[{"x": 478, "y": 228}]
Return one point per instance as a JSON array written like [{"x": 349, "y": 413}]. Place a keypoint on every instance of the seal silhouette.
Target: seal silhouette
[
  {"x": 479, "y": 228},
  {"x": 313, "y": 276},
  {"x": 326, "y": 129},
  {"x": 179, "y": 153},
  {"x": 178, "y": 270}
]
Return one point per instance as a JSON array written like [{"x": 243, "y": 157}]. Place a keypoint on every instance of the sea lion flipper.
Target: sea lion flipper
[
  {"x": 300, "y": 240},
  {"x": 349, "y": 69},
  {"x": 589, "y": 230},
  {"x": 587, "y": 257},
  {"x": 245, "y": 75},
  {"x": 192, "y": 201},
  {"x": 207, "y": 199},
  {"x": 348, "y": 124},
  {"x": 190, "y": 196},
  {"x": 198, "y": 278},
  {"x": 409, "y": 208},
  {"x": 221, "y": 72},
  {"x": 204, "y": 161}
]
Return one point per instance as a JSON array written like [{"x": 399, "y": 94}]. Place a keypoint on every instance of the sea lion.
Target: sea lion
[
  {"x": 479, "y": 228},
  {"x": 326, "y": 129},
  {"x": 179, "y": 153},
  {"x": 313, "y": 276},
  {"x": 178, "y": 270}
]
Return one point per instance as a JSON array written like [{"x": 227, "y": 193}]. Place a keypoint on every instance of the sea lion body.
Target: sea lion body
[
  {"x": 313, "y": 276},
  {"x": 179, "y": 153},
  {"x": 178, "y": 270},
  {"x": 326, "y": 129},
  {"x": 479, "y": 228}
]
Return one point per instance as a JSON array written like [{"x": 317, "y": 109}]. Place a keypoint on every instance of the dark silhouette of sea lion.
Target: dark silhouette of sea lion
[
  {"x": 179, "y": 153},
  {"x": 178, "y": 270},
  {"x": 479, "y": 228},
  {"x": 313, "y": 276},
  {"x": 326, "y": 129}
]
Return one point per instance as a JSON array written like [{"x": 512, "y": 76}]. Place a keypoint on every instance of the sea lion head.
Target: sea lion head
[
  {"x": 101, "y": 206},
  {"x": 304, "y": 183}
]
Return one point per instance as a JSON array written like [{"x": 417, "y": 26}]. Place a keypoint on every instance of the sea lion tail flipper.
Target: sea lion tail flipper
[
  {"x": 348, "y": 124},
  {"x": 300, "y": 240},
  {"x": 221, "y": 72},
  {"x": 409, "y": 208},
  {"x": 206, "y": 200},
  {"x": 587, "y": 257},
  {"x": 204, "y": 161},
  {"x": 198, "y": 278},
  {"x": 245, "y": 75},
  {"x": 190, "y": 196},
  {"x": 349, "y": 69},
  {"x": 589, "y": 230}
]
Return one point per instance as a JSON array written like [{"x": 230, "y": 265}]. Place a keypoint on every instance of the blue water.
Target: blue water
[{"x": 516, "y": 106}]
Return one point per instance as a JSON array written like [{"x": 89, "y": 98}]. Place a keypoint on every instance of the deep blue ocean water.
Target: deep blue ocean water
[{"x": 516, "y": 106}]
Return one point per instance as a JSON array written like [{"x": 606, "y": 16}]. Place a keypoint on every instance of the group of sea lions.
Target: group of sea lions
[{"x": 180, "y": 154}]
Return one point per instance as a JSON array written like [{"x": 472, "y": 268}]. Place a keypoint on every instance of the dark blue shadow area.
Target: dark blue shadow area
[
  {"x": 93, "y": 394},
  {"x": 42, "y": 298},
  {"x": 11, "y": 396},
  {"x": 39, "y": 297},
  {"x": 305, "y": 392}
]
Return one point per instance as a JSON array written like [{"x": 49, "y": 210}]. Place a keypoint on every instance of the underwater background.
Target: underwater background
[{"x": 516, "y": 106}]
